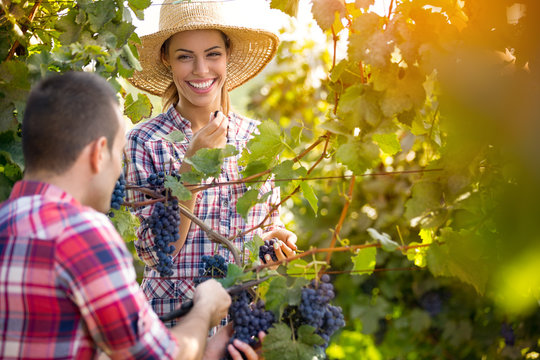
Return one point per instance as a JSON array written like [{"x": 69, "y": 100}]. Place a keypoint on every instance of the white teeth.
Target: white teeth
[{"x": 201, "y": 85}]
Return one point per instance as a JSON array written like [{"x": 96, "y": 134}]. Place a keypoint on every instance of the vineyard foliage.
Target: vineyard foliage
[{"x": 414, "y": 154}]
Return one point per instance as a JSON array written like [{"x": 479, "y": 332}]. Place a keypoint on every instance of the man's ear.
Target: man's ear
[{"x": 98, "y": 150}]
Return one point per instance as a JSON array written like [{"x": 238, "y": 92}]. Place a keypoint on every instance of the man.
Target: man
[{"x": 67, "y": 283}]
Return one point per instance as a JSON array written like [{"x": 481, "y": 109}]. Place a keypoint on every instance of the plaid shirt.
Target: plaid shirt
[
  {"x": 67, "y": 283},
  {"x": 148, "y": 152}
]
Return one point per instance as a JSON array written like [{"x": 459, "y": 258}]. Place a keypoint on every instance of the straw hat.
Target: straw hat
[{"x": 252, "y": 47}]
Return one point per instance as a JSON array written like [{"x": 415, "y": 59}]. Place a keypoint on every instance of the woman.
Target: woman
[{"x": 200, "y": 52}]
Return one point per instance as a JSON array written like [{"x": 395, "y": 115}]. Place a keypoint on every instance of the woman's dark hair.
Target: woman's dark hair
[
  {"x": 170, "y": 95},
  {"x": 64, "y": 113}
]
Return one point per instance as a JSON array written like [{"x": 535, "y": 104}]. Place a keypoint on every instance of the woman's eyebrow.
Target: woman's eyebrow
[{"x": 191, "y": 51}]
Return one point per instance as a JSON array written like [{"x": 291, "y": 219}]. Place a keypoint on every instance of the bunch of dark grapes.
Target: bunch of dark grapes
[
  {"x": 508, "y": 334},
  {"x": 157, "y": 180},
  {"x": 268, "y": 249},
  {"x": 211, "y": 267},
  {"x": 315, "y": 309},
  {"x": 248, "y": 319},
  {"x": 164, "y": 223},
  {"x": 118, "y": 195}
]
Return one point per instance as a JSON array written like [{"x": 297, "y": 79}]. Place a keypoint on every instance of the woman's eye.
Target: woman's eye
[
  {"x": 183, "y": 57},
  {"x": 214, "y": 54}
]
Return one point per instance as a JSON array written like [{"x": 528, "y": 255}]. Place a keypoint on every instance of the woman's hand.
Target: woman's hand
[
  {"x": 212, "y": 136},
  {"x": 285, "y": 247},
  {"x": 219, "y": 343}
]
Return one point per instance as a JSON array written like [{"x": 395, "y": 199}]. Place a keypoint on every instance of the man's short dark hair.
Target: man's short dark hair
[{"x": 64, "y": 113}]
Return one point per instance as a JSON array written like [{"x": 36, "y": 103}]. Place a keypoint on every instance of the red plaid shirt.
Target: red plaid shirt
[
  {"x": 67, "y": 283},
  {"x": 148, "y": 152}
]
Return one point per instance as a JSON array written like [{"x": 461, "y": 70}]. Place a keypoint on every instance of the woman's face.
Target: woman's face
[{"x": 198, "y": 60}]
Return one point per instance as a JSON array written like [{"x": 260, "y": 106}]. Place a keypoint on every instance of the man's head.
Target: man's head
[{"x": 74, "y": 120}]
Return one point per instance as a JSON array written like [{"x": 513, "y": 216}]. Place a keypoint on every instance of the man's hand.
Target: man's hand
[
  {"x": 218, "y": 345},
  {"x": 210, "y": 297},
  {"x": 285, "y": 247}
]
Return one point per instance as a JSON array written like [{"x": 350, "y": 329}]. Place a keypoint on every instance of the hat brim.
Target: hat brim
[{"x": 252, "y": 50}]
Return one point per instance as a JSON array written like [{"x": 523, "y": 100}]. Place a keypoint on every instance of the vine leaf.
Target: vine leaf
[
  {"x": 248, "y": 200},
  {"x": 126, "y": 223},
  {"x": 266, "y": 145},
  {"x": 178, "y": 190},
  {"x": 138, "y": 109},
  {"x": 364, "y": 4},
  {"x": 208, "y": 161},
  {"x": 299, "y": 267},
  {"x": 388, "y": 143},
  {"x": 253, "y": 247},
  {"x": 326, "y": 11},
  {"x": 463, "y": 255},
  {"x": 358, "y": 156},
  {"x": 279, "y": 295},
  {"x": 386, "y": 241},
  {"x": 364, "y": 261},
  {"x": 174, "y": 136},
  {"x": 289, "y": 7},
  {"x": 310, "y": 196},
  {"x": 279, "y": 345}
]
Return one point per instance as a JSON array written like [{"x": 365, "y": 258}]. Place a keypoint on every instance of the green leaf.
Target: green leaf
[
  {"x": 138, "y": 109},
  {"x": 178, "y": 189},
  {"x": 266, "y": 145},
  {"x": 364, "y": 261},
  {"x": 278, "y": 295},
  {"x": 279, "y": 344},
  {"x": 234, "y": 275},
  {"x": 388, "y": 143},
  {"x": 285, "y": 171},
  {"x": 11, "y": 148},
  {"x": 299, "y": 267},
  {"x": 386, "y": 241},
  {"x": 310, "y": 196},
  {"x": 126, "y": 223},
  {"x": 253, "y": 248},
  {"x": 359, "y": 103},
  {"x": 463, "y": 255},
  {"x": 306, "y": 335},
  {"x": 246, "y": 202},
  {"x": 426, "y": 197},
  {"x": 69, "y": 30},
  {"x": 174, "y": 136},
  {"x": 99, "y": 13},
  {"x": 358, "y": 156},
  {"x": 207, "y": 161},
  {"x": 5, "y": 187}
]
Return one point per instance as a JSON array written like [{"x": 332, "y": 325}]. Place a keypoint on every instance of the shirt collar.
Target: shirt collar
[{"x": 29, "y": 188}]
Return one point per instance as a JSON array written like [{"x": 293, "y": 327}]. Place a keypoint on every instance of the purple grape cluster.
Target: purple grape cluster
[
  {"x": 508, "y": 334},
  {"x": 315, "y": 309},
  {"x": 268, "y": 249},
  {"x": 164, "y": 223},
  {"x": 158, "y": 179},
  {"x": 211, "y": 267},
  {"x": 249, "y": 318},
  {"x": 118, "y": 195}
]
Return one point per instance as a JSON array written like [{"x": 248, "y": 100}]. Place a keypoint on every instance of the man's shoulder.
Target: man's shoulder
[{"x": 50, "y": 218}]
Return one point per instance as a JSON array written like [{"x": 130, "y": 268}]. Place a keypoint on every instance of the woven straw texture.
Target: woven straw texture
[{"x": 252, "y": 48}]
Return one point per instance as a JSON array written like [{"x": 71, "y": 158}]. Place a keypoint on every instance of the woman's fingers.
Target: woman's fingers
[{"x": 248, "y": 351}]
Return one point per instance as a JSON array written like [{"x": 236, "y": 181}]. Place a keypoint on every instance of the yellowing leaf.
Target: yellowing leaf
[
  {"x": 324, "y": 12},
  {"x": 388, "y": 143}
]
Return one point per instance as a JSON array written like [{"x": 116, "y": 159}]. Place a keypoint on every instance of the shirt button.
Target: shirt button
[{"x": 225, "y": 203}]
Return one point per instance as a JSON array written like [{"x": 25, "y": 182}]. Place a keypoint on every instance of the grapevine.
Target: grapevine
[{"x": 118, "y": 195}]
